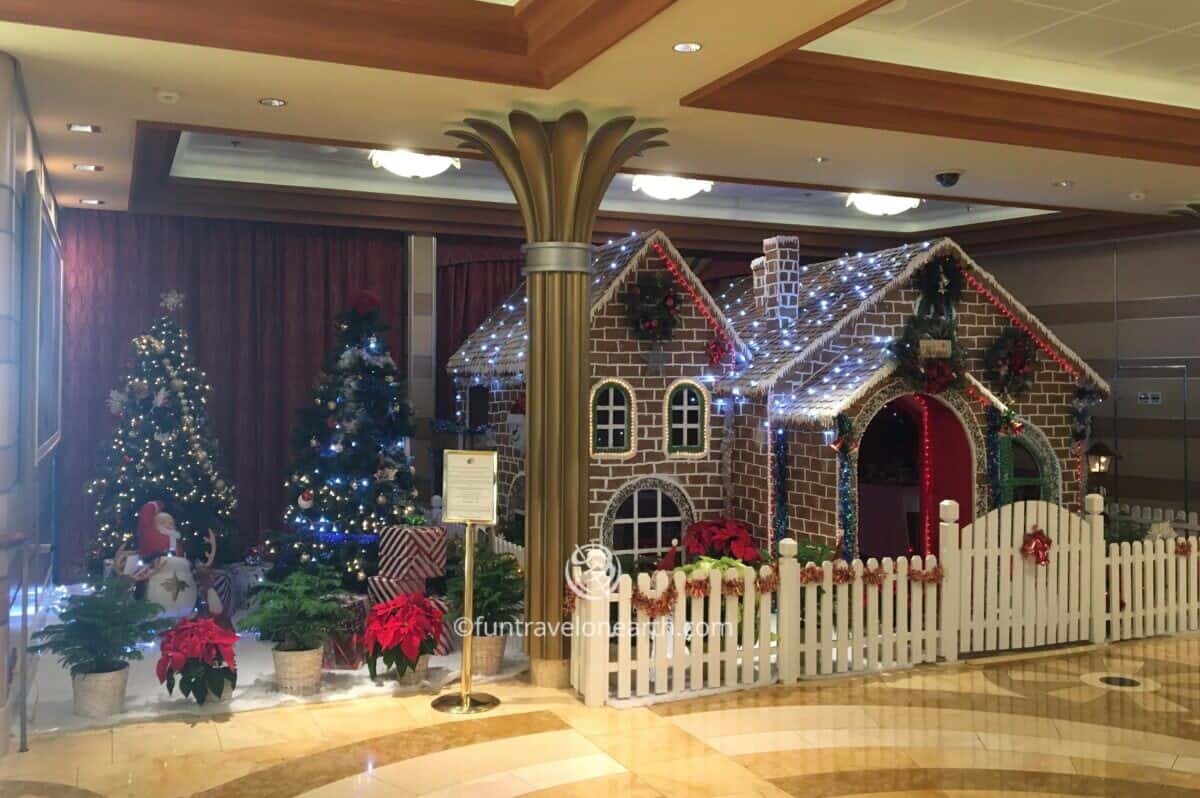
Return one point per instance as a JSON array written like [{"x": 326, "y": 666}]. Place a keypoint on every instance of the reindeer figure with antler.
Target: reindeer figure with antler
[{"x": 211, "y": 603}]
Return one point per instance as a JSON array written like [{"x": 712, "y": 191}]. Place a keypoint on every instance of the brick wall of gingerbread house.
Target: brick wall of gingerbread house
[
  {"x": 812, "y": 476},
  {"x": 511, "y": 462},
  {"x": 616, "y": 353},
  {"x": 751, "y": 467}
]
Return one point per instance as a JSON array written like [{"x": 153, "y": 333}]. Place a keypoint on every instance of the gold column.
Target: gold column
[{"x": 558, "y": 176}]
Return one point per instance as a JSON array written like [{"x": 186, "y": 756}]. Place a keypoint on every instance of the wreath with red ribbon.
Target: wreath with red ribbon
[
  {"x": 652, "y": 307},
  {"x": 1009, "y": 363},
  {"x": 929, "y": 375}
]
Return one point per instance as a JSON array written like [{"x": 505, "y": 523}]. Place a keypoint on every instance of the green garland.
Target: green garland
[
  {"x": 941, "y": 284},
  {"x": 930, "y": 375},
  {"x": 652, "y": 307},
  {"x": 1009, "y": 363}
]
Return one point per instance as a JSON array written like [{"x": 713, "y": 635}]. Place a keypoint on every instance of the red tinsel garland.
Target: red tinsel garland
[
  {"x": 874, "y": 576},
  {"x": 842, "y": 575},
  {"x": 1183, "y": 547},
  {"x": 1036, "y": 544},
  {"x": 811, "y": 575},
  {"x": 768, "y": 583},
  {"x": 975, "y": 283},
  {"x": 569, "y": 604},
  {"x": 698, "y": 588},
  {"x": 655, "y": 606},
  {"x": 733, "y": 587},
  {"x": 932, "y": 575},
  {"x": 673, "y": 268}
]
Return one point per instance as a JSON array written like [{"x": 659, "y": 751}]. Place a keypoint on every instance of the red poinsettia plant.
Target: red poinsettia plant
[
  {"x": 720, "y": 537},
  {"x": 400, "y": 631},
  {"x": 199, "y": 654}
]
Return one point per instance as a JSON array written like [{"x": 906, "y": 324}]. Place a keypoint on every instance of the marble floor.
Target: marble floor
[{"x": 1121, "y": 720}]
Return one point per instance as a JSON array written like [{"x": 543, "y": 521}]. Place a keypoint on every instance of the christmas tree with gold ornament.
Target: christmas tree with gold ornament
[
  {"x": 351, "y": 473},
  {"x": 162, "y": 448}
]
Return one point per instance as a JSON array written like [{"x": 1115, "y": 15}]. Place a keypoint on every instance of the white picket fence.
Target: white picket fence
[
  {"x": 1153, "y": 587},
  {"x": 502, "y": 545},
  {"x": 980, "y": 595},
  {"x": 1181, "y": 521}
]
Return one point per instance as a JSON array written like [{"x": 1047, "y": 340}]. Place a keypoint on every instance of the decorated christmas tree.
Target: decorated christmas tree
[
  {"x": 351, "y": 474},
  {"x": 162, "y": 449}
]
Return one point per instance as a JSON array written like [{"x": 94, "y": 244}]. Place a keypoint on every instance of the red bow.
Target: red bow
[{"x": 1036, "y": 545}]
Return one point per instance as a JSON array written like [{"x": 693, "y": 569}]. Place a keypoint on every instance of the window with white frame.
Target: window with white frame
[
  {"x": 646, "y": 523},
  {"x": 686, "y": 418},
  {"x": 612, "y": 419}
]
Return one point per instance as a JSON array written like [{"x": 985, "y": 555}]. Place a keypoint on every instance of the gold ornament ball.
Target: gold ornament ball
[
  {"x": 331, "y": 405},
  {"x": 381, "y": 499}
]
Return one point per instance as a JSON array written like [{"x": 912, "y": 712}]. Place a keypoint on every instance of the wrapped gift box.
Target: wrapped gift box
[
  {"x": 344, "y": 648},
  {"x": 445, "y": 639},
  {"x": 412, "y": 552},
  {"x": 386, "y": 588},
  {"x": 243, "y": 578}
]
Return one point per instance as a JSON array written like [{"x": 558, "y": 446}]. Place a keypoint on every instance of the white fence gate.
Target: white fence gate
[{"x": 1006, "y": 600}]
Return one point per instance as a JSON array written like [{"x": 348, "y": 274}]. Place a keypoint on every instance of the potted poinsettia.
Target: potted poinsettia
[
  {"x": 403, "y": 633},
  {"x": 721, "y": 537},
  {"x": 198, "y": 653},
  {"x": 96, "y": 638},
  {"x": 298, "y": 613}
]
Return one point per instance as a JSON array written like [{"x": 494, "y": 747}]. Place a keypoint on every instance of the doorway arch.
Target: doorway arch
[{"x": 914, "y": 452}]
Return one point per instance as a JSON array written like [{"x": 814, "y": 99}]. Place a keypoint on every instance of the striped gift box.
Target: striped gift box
[
  {"x": 444, "y": 642},
  {"x": 411, "y": 552},
  {"x": 386, "y": 588}
]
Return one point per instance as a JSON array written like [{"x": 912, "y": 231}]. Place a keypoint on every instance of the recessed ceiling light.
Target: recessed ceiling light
[
  {"x": 1137, "y": 196},
  {"x": 406, "y": 163},
  {"x": 687, "y": 47},
  {"x": 88, "y": 201},
  {"x": 82, "y": 127},
  {"x": 88, "y": 167},
  {"x": 820, "y": 159},
  {"x": 1063, "y": 184},
  {"x": 272, "y": 102}
]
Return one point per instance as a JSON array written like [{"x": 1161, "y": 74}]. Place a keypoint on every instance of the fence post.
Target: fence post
[
  {"x": 948, "y": 559},
  {"x": 1093, "y": 505},
  {"x": 788, "y": 629},
  {"x": 593, "y": 614}
]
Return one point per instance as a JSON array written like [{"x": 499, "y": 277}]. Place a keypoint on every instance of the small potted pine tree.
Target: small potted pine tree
[
  {"x": 96, "y": 638},
  {"x": 498, "y": 598},
  {"x": 298, "y": 613}
]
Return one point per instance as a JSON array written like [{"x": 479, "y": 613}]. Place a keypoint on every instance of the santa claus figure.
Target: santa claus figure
[{"x": 157, "y": 534}]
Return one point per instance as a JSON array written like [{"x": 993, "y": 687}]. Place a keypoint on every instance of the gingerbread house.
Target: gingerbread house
[{"x": 834, "y": 401}]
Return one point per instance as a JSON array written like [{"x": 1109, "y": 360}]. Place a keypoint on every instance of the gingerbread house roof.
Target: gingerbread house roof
[
  {"x": 497, "y": 347},
  {"x": 826, "y": 370}
]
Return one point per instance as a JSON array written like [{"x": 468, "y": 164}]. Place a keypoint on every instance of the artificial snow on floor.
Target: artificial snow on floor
[{"x": 50, "y": 697}]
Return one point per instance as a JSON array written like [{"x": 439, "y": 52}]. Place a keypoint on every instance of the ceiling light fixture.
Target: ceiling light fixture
[
  {"x": 687, "y": 47},
  {"x": 881, "y": 204},
  {"x": 272, "y": 102},
  {"x": 82, "y": 127},
  {"x": 668, "y": 187},
  {"x": 89, "y": 201},
  {"x": 88, "y": 167},
  {"x": 1063, "y": 184},
  {"x": 820, "y": 160},
  {"x": 406, "y": 163}
]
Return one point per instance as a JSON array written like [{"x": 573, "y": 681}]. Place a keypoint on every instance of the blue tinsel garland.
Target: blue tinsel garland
[
  {"x": 994, "y": 422},
  {"x": 781, "y": 472},
  {"x": 846, "y": 515}
]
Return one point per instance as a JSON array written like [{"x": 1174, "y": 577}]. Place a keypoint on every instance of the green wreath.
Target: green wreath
[
  {"x": 941, "y": 284},
  {"x": 929, "y": 375},
  {"x": 652, "y": 307},
  {"x": 1009, "y": 363}
]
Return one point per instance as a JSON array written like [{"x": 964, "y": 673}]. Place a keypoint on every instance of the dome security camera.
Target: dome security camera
[{"x": 948, "y": 178}]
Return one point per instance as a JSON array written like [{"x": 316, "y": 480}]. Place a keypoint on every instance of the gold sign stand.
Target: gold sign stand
[{"x": 469, "y": 493}]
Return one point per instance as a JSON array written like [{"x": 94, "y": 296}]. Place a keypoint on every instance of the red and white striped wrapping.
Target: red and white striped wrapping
[
  {"x": 223, "y": 584},
  {"x": 444, "y": 641},
  {"x": 411, "y": 552},
  {"x": 385, "y": 588}
]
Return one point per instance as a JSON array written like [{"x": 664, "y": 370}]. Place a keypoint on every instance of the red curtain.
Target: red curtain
[
  {"x": 474, "y": 275},
  {"x": 260, "y": 303}
]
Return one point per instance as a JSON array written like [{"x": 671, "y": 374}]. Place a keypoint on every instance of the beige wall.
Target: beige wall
[{"x": 1136, "y": 302}]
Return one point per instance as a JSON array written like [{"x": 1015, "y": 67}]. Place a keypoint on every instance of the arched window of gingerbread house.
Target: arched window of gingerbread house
[
  {"x": 646, "y": 522},
  {"x": 1023, "y": 475},
  {"x": 613, "y": 419},
  {"x": 686, "y": 419}
]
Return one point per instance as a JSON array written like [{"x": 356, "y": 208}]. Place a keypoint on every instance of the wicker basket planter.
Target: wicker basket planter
[
  {"x": 487, "y": 654},
  {"x": 416, "y": 675},
  {"x": 100, "y": 695},
  {"x": 298, "y": 672}
]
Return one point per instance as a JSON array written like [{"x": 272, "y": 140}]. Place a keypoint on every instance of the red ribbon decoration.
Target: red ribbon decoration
[
  {"x": 700, "y": 304},
  {"x": 1036, "y": 545},
  {"x": 1183, "y": 547},
  {"x": 811, "y": 575}
]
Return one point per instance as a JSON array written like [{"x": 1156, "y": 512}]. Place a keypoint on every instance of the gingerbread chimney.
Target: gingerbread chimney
[{"x": 777, "y": 279}]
